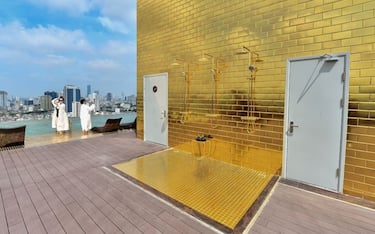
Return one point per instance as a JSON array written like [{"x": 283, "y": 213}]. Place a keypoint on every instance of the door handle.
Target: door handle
[
  {"x": 163, "y": 114},
  {"x": 291, "y": 127}
]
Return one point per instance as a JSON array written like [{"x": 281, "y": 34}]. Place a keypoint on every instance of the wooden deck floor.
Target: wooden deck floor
[
  {"x": 65, "y": 188},
  {"x": 293, "y": 210}
]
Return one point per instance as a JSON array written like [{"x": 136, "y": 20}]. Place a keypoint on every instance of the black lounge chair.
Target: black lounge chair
[
  {"x": 12, "y": 137},
  {"x": 111, "y": 125},
  {"x": 129, "y": 125}
]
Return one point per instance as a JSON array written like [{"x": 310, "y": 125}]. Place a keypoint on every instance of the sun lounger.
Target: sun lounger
[
  {"x": 111, "y": 125},
  {"x": 129, "y": 125},
  {"x": 12, "y": 137}
]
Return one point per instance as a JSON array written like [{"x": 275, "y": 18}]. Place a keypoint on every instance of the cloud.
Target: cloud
[
  {"x": 113, "y": 25},
  {"x": 119, "y": 48},
  {"x": 42, "y": 39},
  {"x": 58, "y": 50},
  {"x": 9, "y": 55},
  {"x": 55, "y": 60},
  {"x": 73, "y": 7},
  {"x": 121, "y": 10},
  {"x": 117, "y": 15},
  {"x": 103, "y": 64}
]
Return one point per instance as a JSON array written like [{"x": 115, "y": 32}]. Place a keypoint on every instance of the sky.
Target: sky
[{"x": 47, "y": 44}]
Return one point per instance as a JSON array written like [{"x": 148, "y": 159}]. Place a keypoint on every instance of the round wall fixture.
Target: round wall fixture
[{"x": 155, "y": 89}]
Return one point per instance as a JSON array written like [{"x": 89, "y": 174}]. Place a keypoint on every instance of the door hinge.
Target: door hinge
[
  {"x": 342, "y": 102},
  {"x": 338, "y": 172},
  {"x": 343, "y": 77}
]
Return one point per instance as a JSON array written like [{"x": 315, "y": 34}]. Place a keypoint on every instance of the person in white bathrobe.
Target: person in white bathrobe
[
  {"x": 85, "y": 116},
  {"x": 54, "y": 113},
  {"x": 59, "y": 117}
]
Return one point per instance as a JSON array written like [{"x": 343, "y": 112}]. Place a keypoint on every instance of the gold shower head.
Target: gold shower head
[
  {"x": 204, "y": 57},
  {"x": 256, "y": 59},
  {"x": 176, "y": 63},
  {"x": 244, "y": 50}
]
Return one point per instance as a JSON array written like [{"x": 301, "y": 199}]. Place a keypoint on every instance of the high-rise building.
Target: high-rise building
[
  {"x": 71, "y": 94},
  {"x": 52, "y": 94},
  {"x": 76, "y": 107},
  {"x": 94, "y": 98},
  {"x": 132, "y": 99},
  {"x": 3, "y": 100},
  {"x": 88, "y": 90},
  {"x": 45, "y": 102},
  {"x": 108, "y": 97},
  {"x": 28, "y": 102}
]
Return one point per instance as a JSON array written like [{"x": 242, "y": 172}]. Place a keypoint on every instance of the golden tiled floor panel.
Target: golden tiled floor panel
[{"x": 219, "y": 190}]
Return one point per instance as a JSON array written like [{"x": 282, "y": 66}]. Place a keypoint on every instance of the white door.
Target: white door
[
  {"x": 316, "y": 120},
  {"x": 156, "y": 108}
]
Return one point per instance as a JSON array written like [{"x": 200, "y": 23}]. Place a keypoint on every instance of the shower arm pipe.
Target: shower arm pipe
[
  {"x": 250, "y": 99},
  {"x": 191, "y": 67},
  {"x": 214, "y": 79},
  {"x": 252, "y": 60},
  {"x": 183, "y": 65},
  {"x": 257, "y": 54},
  {"x": 248, "y": 50},
  {"x": 187, "y": 88},
  {"x": 213, "y": 67},
  {"x": 251, "y": 54},
  {"x": 213, "y": 73},
  {"x": 214, "y": 63},
  {"x": 186, "y": 73},
  {"x": 218, "y": 64},
  {"x": 187, "y": 76}
]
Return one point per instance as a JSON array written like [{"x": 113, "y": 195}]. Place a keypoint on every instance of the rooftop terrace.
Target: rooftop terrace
[{"x": 67, "y": 188}]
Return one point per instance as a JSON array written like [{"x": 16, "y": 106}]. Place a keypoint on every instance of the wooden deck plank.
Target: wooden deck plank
[
  {"x": 29, "y": 213},
  {"x": 3, "y": 221},
  {"x": 300, "y": 211},
  {"x": 60, "y": 185}
]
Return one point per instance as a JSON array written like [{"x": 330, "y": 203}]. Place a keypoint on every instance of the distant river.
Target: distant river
[{"x": 42, "y": 127}]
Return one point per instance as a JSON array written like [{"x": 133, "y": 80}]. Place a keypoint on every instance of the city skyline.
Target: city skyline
[
  {"x": 45, "y": 45},
  {"x": 86, "y": 92}
]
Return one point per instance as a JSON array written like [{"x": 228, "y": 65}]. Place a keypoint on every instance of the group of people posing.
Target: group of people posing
[{"x": 60, "y": 118}]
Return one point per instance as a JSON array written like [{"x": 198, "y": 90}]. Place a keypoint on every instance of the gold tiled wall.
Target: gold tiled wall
[{"x": 276, "y": 30}]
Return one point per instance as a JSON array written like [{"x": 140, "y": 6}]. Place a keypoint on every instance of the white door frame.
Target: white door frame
[
  {"x": 344, "y": 115},
  {"x": 156, "y": 115}
]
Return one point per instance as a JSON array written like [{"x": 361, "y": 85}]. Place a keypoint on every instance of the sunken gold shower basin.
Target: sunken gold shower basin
[{"x": 219, "y": 190}]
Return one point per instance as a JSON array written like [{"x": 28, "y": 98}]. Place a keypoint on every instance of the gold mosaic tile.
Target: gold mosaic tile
[{"x": 221, "y": 191}]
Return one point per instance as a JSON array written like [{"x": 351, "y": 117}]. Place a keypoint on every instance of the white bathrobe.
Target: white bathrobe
[
  {"x": 60, "y": 122},
  {"x": 54, "y": 117},
  {"x": 85, "y": 116}
]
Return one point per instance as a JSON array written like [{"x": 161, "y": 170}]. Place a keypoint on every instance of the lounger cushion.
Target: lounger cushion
[
  {"x": 12, "y": 136},
  {"x": 110, "y": 125},
  {"x": 129, "y": 125}
]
